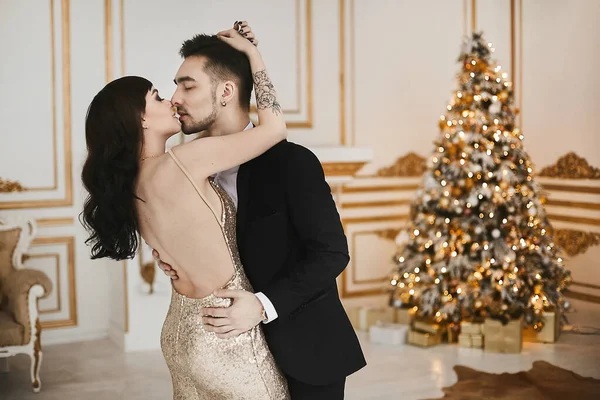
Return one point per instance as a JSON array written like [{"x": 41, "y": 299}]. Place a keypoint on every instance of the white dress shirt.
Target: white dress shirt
[{"x": 228, "y": 181}]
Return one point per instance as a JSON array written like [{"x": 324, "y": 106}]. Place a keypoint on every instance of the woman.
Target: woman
[{"x": 170, "y": 199}]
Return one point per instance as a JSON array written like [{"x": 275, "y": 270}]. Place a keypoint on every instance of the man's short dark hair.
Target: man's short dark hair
[{"x": 223, "y": 62}]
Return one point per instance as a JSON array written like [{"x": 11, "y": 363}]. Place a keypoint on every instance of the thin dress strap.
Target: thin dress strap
[{"x": 189, "y": 176}]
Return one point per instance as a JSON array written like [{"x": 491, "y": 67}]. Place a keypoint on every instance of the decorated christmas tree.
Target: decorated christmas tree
[{"x": 479, "y": 243}]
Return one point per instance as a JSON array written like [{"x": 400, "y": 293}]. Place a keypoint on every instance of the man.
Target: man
[{"x": 289, "y": 234}]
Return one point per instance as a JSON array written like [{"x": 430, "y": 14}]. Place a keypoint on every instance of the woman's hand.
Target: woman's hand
[
  {"x": 246, "y": 31},
  {"x": 236, "y": 40}
]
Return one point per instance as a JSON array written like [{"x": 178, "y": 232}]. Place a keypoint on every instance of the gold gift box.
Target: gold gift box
[
  {"x": 464, "y": 340},
  {"x": 501, "y": 338},
  {"x": 550, "y": 331},
  {"x": 363, "y": 318},
  {"x": 470, "y": 340},
  {"x": 424, "y": 339},
  {"x": 472, "y": 328},
  {"x": 477, "y": 341},
  {"x": 423, "y": 326}
]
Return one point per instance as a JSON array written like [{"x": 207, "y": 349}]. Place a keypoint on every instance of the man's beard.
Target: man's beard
[{"x": 198, "y": 126}]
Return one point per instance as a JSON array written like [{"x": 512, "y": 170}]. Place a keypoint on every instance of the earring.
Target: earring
[
  {"x": 145, "y": 126},
  {"x": 223, "y": 103}
]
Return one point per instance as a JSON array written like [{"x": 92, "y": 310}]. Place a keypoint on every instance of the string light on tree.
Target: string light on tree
[{"x": 480, "y": 243}]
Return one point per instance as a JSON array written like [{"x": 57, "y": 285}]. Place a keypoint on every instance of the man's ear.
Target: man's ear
[{"x": 229, "y": 89}]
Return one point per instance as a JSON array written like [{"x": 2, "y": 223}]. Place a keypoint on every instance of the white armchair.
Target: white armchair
[{"x": 20, "y": 289}]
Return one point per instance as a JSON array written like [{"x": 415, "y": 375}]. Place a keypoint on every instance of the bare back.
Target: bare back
[{"x": 182, "y": 219}]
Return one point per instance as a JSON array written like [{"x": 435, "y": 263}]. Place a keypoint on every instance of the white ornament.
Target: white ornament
[
  {"x": 511, "y": 256},
  {"x": 495, "y": 107},
  {"x": 478, "y": 229},
  {"x": 496, "y": 233},
  {"x": 532, "y": 211}
]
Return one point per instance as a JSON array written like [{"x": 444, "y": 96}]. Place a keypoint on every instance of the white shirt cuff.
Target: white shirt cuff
[{"x": 268, "y": 306}]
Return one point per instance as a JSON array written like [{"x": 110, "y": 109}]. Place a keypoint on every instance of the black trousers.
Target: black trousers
[{"x": 304, "y": 391}]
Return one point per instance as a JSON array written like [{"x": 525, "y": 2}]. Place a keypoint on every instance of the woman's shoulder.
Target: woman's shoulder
[{"x": 160, "y": 171}]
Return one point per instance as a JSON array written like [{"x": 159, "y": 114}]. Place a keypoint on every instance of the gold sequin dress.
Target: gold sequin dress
[{"x": 204, "y": 367}]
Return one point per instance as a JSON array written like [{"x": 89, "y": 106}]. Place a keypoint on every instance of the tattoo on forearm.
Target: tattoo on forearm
[{"x": 265, "y": 93}]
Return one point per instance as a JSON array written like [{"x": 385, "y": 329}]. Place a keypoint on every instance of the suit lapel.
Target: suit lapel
[{"x": 243, "y": 188}]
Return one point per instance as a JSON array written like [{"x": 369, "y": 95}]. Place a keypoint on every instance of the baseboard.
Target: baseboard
[{"x": 56, "y": 336}]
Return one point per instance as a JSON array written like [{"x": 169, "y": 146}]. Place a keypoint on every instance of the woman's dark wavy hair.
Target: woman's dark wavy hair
[{"x": 113, "y": 132}]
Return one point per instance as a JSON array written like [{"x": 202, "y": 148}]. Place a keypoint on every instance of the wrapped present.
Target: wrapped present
[
  {"x": 464, "y": 340},
  {"x": 549, "y": 332},
  {"x": 427, "y": 327},
  {"x": 423, "y": 339},
  {"x": 477, "y": 341},
  {"x": 388, "y": 333},
  {"x": 472, "y": 328},
  {"x": 404, "y": 315},
  {"x": 501, "y": 338},
  {"x": 362, "y": 318},
  {"x": 470, "y": 340}
]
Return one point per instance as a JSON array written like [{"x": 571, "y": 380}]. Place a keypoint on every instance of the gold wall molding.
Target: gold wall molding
[
  {"x": 571, "y": 188},
  {"x": 573, "y": 204},
  {"x": 590, "y": 298},
  {"x": 108, "y": 40},
  {"x": 8, "y": 186},
  {"x": 69, "y": 242},
  {"x": 147, "y": 268},
  {"x": 383, "y": 203},
  {"x": 342, "y": 168},
  {"x": 349, "y": 271},
  {"x": 575, "y": 220},
  {"x": 409, "y": 165},
  {"x": 308, "y": 123},
  {"x": 586, "y": 285},
  {"x": 379, "y": 188},
  {"x": 355, "y": 280},
  {"x": 109, "y": 75},
  {"x": 571, "y": 166},
  {"x": 67, "y": 200},
  {"x": 389, "y": 234},
  {"x": 473, "y": 15},
  {"x": 46, "y": 222},
  {"x": 126, "y": 296},
  {"x": 575, "y": 242}
]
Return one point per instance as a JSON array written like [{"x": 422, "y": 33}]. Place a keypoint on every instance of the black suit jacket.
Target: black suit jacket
[{"x": 293, "y": 247}]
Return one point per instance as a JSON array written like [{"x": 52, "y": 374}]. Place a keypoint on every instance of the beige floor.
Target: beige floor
[{"x": 99, "y": 371}]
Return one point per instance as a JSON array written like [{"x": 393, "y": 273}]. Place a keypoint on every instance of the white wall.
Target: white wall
[{"x": 352, "y": 72}]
